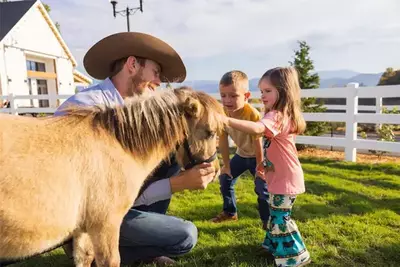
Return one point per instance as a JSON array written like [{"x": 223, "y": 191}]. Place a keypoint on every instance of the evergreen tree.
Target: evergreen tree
[
  {"x": 308, "y": 80},
  {"x": 304, "y": 66}
]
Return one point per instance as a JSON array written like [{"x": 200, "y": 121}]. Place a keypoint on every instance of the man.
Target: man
[{"x": 136, "y": 63}]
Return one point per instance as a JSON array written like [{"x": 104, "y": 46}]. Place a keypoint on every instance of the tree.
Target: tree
[
  {"x": 308, "y": 80},
  {"x": 390, "y": 77},
  {"x": 385, "y": 132},
  {"x": 304, "y": 66},
  {"x": 48, "y": 9}
]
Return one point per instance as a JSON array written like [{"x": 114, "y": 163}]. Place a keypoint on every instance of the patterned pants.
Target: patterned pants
[{"x": 283, "y": 239}]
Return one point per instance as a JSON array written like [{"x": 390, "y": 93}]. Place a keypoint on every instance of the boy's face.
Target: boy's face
[
  {"x": 269, "y": 94},
  {"x": 233, "y": 98}
]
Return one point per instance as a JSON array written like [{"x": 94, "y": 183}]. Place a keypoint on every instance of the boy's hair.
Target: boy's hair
[
  {"x": 236, "y": 78},
  {"x": 286, "y": 81}
]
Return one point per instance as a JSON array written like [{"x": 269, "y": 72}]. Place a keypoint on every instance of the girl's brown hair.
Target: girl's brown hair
[{"x": 286, "y": 81}]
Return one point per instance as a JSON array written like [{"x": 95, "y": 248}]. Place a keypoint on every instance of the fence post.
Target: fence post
[
  {"x": 13, "y": 107},
  {"x": 351, "y": 123},
  {"x": 378, "y": 110}
]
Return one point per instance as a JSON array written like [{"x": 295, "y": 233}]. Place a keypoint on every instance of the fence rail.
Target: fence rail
[{"x": 351, "y": 117}]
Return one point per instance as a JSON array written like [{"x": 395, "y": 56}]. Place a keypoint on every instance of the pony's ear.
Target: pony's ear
[{"x": 192, "y": 107}]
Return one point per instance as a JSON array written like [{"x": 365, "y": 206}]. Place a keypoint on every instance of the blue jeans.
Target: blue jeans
[
  {"x": 149, "y": 234},
  {"x": 146, "y": 232},
  {"x": 238, "y": 166}
]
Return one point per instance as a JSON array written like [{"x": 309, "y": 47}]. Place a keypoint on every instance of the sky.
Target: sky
[{"x": 215, "y": 36}]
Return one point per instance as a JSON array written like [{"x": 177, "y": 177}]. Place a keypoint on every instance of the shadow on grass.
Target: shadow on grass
[
  {"x": 234, "y": 255},
  {"x": 386, "y": 168},
  {"x": 50, "y": 259},
  {"x": 251, "y": 255},
  {"x": 378, "y": 182},
  {"x": 347, "y": 202},
  {"x": 207, "y": 212},
  {"x": 382, "y": 182},
  {"x": 382, "y": 255},
  {"x": 235, "y": 227}
]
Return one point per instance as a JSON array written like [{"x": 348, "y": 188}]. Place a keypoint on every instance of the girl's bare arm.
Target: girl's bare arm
[{"x": 249, "y": 127}]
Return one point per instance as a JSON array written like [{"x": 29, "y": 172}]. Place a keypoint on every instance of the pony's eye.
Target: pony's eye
[{"x": 210, "y": 134}]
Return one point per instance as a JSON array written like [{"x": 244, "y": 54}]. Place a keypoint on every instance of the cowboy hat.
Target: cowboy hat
[{"x": 100, "y": 58}]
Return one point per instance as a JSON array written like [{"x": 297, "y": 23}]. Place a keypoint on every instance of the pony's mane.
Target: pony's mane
[{"x": 141, "y": 125}]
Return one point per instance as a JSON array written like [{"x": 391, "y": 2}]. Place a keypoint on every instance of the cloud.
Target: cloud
[{"x": 359, "y": 34}]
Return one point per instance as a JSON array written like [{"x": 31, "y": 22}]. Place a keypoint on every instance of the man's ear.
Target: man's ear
[
  {"x": 132, "y": 64},
  {"x": 192, "y": 107}
]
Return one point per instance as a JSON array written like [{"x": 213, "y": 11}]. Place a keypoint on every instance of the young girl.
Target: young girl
[{"x": 280, "y": 94}]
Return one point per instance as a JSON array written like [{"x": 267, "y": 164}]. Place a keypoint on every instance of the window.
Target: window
[
  {"x": 29, "y": 65},
  {"x": 40, "y": 67},
  {"x": 35, "y": 66},
  {"x": 42, "y": 90}
]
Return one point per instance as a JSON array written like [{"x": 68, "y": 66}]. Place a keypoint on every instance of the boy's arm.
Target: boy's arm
[{"x": 224, "y": 150}]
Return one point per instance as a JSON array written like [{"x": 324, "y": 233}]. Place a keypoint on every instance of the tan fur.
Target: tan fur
[{"x": 77, "y": 175}]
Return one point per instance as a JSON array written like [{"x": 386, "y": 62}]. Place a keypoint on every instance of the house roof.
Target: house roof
[
  {"x": 11, "y": 13},
  {"x": 82, "y": 78}
]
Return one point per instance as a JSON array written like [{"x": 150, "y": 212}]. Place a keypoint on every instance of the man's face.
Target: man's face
[{"x": 146, "y": 79}]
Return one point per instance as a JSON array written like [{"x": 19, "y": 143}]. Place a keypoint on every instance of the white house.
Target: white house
[{"x": 34, "y": 58}]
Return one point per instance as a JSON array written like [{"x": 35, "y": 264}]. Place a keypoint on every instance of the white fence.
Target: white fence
[
  {"x": 15, "y": 109},
  {"x": 351, "y": 117}
]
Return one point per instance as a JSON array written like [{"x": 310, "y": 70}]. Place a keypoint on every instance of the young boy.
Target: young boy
[{"x": 234, "y": 91}]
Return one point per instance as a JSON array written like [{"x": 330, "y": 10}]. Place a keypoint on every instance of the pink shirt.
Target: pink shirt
[{"x": 287, "y": 177}]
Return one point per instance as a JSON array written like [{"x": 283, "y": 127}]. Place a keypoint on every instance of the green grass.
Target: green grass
[{"x": 350, "y": 216}]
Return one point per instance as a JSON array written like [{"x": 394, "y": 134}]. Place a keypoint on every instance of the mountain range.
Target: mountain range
[
  {"x": 334, "y": 78},
  {"x": 331, "y": 78}
]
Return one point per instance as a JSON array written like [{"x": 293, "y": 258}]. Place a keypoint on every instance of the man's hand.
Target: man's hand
[
  {"x": 226, "y": 170},
  {"x": 196, "y": 178}
]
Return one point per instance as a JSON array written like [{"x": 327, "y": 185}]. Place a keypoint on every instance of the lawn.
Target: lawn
[{"x": 350, "y": 216}]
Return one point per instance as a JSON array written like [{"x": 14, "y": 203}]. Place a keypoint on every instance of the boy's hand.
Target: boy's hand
[
  {"x": 226, "y": 170},
  {"x": 260, "y": 172}
]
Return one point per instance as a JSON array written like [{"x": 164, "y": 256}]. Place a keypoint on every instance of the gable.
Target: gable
[
  {"x": 35, "y": 32},
  {"x": 11, "y": 13}
]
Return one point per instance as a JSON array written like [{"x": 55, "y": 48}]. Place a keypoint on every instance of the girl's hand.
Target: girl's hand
[{"x": 223, "y": 118}]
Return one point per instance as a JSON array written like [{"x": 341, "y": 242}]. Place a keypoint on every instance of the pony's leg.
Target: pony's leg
[
  {"x": 83, "y": 250},
  {"x": 105, "y": 240}
]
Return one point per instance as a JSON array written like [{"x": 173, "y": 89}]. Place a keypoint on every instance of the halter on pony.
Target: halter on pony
[{"x": 192, "y": 161}]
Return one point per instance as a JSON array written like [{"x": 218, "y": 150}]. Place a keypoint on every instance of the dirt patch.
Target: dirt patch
[{"x": 339, "y": 155}]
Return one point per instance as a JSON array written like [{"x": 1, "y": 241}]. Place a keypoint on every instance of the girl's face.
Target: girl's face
[{"x": 269, "y": 94}]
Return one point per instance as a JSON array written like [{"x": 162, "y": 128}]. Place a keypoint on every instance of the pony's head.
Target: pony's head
[
  {"x": 180, "y": 119},
  {"x": 204, "y": 126}
]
